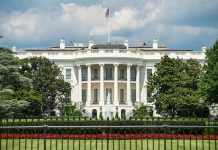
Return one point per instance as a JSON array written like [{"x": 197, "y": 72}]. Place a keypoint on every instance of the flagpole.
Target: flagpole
[{"x": 109, "y": 28}]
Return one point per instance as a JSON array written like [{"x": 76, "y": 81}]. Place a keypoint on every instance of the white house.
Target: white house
[{"x": 96, "y": 71}]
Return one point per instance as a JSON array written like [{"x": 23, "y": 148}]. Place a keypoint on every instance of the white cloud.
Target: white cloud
[
  {"x": 18, "y": 26},
  {"x": 136, "y": 20},
  {"x": 71, "y": 20},
  {"x": 127, "y": 19}
]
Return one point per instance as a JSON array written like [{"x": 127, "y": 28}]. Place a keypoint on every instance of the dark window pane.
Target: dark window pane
[
  {"x": 133, "y": 73},
  {"x": 68, "y": 74},
  {"x": 84, "y": 95},
  {"x": 149, "y": 73},
  {"x": 133, "y": 95},
  {"x": 149, "y": 96}
]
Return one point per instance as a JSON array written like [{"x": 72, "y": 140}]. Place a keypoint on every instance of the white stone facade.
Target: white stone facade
[{"x": 92, "y": 71}]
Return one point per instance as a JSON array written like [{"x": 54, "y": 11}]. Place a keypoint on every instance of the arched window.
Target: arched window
[
  {"x": 94, "y": 113},
  {"x": 123, "y": 113}
]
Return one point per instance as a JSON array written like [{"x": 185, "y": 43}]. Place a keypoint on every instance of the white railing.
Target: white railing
[{"x": 112, "y": 53}]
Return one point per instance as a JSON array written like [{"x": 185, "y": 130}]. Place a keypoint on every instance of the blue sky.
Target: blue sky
[{"x": 182, "y": 24}]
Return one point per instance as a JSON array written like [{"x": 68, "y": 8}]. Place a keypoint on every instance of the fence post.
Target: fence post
[
  {"x": 165, "y": 128},
  {"x": 1, "y": 132},
  {"x": 44, "y": 129}
]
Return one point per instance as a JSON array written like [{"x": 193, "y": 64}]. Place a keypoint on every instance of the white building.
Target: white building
[{"x": 94, "y": 71}]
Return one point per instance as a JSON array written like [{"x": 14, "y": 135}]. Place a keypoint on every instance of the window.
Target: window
[
  {"x": 133, "y": 95},
  {"x": 84, "y": 95},
  {"x": 109, "y": 73},
  {"x": 68, "y": 74},
  {"x": 122, "y": 73},
  {"x": 149, "y": 97},
  {"x": 133, "y": 73},
  {"x": 149, "y": 73},
  {"x": 123, "y": 113},
  {"x": 84, "y": 73},
  {"x": 95, "y": 73},
  {"x": 121, "y": 95},
  {"x": 95, "y": 95}
]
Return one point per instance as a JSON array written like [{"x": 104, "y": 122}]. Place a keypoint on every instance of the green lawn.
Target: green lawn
[{"x": 103, "y": 144}]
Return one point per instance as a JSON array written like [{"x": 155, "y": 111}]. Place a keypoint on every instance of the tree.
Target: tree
[
  {"x": 175, "y": 87},
  {"x": 13, "y": 107},
  {"x": 46, "y": 80},
  {"x": 70, "y": 110},
  {"x": 12, "y": 82},
  {"x": 141, "y": 112},
  {"x": 209, "y": 79}
]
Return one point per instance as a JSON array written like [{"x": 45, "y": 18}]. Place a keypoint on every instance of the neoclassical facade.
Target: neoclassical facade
[{"x": 96, "y": 70}]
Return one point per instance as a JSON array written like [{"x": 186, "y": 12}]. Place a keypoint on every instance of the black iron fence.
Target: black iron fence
[{"x": 73, "y": 133}]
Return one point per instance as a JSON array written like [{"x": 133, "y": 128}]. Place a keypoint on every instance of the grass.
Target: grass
[{"x": 32, "y": 144}]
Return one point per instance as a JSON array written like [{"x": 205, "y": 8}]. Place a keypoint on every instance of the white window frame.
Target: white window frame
[
  {"x": 95, "y": 95},
  {"x": 68, "y": 75},
  {"x": 122, "y": 95}
]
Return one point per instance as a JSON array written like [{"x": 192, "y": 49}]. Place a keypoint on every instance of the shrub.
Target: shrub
[
  {"x": 116, "y": 115},
  {"x": 101, "y": 116}
]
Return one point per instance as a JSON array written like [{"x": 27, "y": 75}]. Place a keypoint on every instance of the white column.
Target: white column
[
  {"x": 128, "y": 88},
  {"x": 137, "y": 84},
  {"x": 89, "y": 89},
  {"x": 101, "y": 102},
  {"x": 79, "y": 84},
  {"x": 116, "y": 102},
  {"x": 73, "y": 77}
]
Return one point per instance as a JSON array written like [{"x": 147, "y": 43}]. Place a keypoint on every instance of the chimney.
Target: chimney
[
  {"x": 126, "y": 44},
  {"x": 204, "y": 48},
  {"x": 91, "y": 43},
  {"x": 155, "y": 43},
  {"x": 62, "y": 43},
  {"x": 13, "y": 49}
]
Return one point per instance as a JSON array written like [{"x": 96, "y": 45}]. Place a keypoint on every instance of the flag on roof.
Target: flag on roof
[{"x": 107, "y": 13}]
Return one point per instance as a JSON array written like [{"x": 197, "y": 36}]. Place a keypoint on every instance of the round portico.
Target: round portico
[{"x": 95, "y": 80}]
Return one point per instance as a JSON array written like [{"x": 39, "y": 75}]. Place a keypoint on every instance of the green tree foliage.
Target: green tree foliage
[
  {"x": 141, "y": 112},
  {"x": 13, "y": 107},
  {"x": 209, "y": 80},
  {"x": 46, "y": 80},
  {"x": 116, "y": 115},
  {"x": 101, "y": 116},
  {"x": 70, "y": 110},
  {"x": 12, "y": 85},
  {"x": 175, "y": 87}
]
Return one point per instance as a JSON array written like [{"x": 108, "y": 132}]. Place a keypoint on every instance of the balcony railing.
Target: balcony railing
[
  {"x": 84, "y": 78},
  {"x": 122, "y": 78},
  {"x": 95, "y": 78},
  {"x": 127, "y": 52},
  {"x": 94, "y": 103},
  {"x": 105, "y": 102},
  {"x": 122, "y": 102},
  {"x": 109, "y": 78},
  {"x": 133, "y": 78}
]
